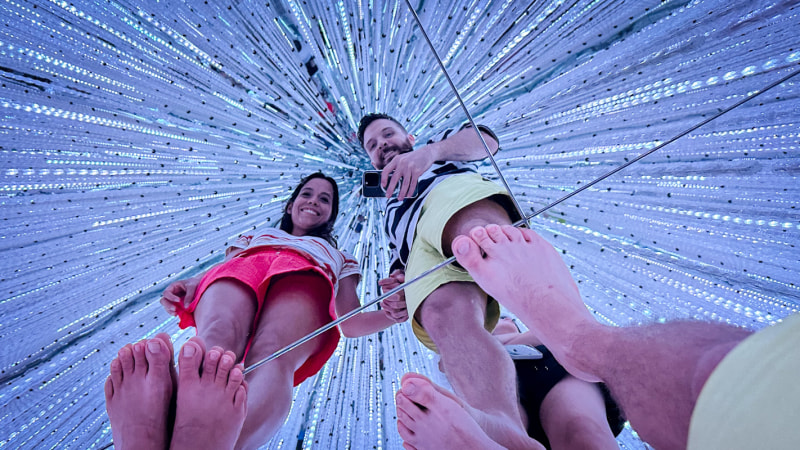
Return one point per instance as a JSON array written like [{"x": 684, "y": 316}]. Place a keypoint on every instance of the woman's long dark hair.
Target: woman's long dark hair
[{"x": 324, "y": 231}]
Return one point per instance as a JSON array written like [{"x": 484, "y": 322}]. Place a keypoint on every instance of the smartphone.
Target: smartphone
[
  {"x": 523, "y": 352},
  {"x": 371, "y": 185}
]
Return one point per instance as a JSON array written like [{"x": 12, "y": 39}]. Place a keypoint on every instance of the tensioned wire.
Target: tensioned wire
[{"x": 525, "y": 219}]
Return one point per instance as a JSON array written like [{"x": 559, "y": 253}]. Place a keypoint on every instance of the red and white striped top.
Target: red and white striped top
[{"x": 336, "y": 263}]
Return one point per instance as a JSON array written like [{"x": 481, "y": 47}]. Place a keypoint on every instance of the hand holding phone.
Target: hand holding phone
[{"x": 371, "y": 185}]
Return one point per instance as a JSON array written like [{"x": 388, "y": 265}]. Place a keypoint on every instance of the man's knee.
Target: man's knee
[
  {"x": 582, "y": 432},
  {"x": 446, "y": 312}
]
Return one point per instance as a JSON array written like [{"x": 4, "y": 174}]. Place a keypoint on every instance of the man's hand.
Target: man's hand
[
  {"x": 179, "y": 292},
  {"x": 395, "y": 306},
  {"x": 407, "y": 167}
]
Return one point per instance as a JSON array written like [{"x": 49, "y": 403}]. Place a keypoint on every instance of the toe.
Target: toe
[
  {"x": 496, "y": 234},
  {"x": 164, "y": 337},
  {"x": 404, "y": 418},
  {"x": 405, "y": 433},
  {"x": 190, "y": 359},
  {"x": 139, "y": 358},
  {"x": 158, "y": 357},
  {"x": 116, "y": 372},
  {"x": 240, "y": 398},
  {"x": 513, "y": 234},
  {"x": 125, "y": 358},
  {"x": 419, "y": 392},
  {"x": 467, "y": 252},
  {"x": 226, "y": 363},
  {"x": 210, "y": 363},
  {"x": 529, "y": 235},
  {"x": 108, "y": 390},
  {"x": 482, "y": 238},
  {"x": 235, "y": 378}
]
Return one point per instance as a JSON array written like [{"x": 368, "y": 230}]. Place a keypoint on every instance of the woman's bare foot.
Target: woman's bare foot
[
  {"x": 212, "y": 398},
  {"x": 431, "y": 418},
  {"x": 139, "y": 393},
  {"x": 526, "y": 275}
]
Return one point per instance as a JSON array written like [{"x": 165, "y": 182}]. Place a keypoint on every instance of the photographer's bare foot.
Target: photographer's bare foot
[
  {"x": 212, "y": 398},
  {"x": 429, "y": 417},
  {"x": 526, "y": 275},
  {"x": 139, "y": 392}
]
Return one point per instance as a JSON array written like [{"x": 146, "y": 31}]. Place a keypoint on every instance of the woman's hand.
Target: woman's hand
[
  {"x": 179, "y": 292},
  {"x": 394, "y": 307}
]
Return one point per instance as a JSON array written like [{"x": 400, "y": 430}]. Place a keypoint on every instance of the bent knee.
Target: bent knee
[
  {"x": 443, "y": 311},
  {"x": 581, "y": 432}
]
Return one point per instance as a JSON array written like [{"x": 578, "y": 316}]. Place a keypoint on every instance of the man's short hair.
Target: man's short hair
[{"x": 372, "y": 117}]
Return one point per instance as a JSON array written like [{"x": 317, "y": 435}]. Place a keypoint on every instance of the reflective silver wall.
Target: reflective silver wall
[{"x": 138, "y": 138}]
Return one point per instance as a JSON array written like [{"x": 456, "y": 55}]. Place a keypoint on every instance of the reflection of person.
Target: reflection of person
[
  {"x": 681, "y": 384},
  {"x": 561, "y": 410},
  {"x": 275, "y": 287},
  {"x": 451, "y": 314}
]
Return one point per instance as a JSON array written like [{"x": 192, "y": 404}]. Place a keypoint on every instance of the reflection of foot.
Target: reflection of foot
[
  {"x": 430, "y": 417},
  {"x": 527, "y": 276},
  {"x": 138, "y": 394},
  {"x": 211, "y": 399}
]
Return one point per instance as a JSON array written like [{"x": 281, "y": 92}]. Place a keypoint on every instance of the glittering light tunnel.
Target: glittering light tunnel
[{"x": 138, "y": 138}]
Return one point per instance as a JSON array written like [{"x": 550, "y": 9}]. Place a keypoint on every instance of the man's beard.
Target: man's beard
[{"x": 397, "y": 150}]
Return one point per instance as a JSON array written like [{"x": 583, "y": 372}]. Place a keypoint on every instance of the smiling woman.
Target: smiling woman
[{"x": 274, "y": 287}]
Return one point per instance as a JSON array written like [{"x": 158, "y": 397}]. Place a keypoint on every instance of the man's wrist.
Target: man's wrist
[{"x": 435, "y": 150}]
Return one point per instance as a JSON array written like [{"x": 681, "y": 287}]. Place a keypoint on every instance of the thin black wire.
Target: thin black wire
[{"x": 466, "y": 111}]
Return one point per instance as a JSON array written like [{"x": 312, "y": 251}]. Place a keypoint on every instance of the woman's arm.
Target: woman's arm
[{"x": 366, "y": 322}]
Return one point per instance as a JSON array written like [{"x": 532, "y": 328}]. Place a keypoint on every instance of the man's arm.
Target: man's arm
[{"x": 464, "y": 145}]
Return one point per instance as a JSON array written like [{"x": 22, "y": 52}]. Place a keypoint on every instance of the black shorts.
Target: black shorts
[{"x": 536, "y": 377}]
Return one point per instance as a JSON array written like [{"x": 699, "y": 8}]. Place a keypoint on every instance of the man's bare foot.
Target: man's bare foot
[
  {"x": 139, "y": 392},
  {"x": 526, "y": 275},
  {"x": 212, "y": 398},
  {"x": 431, "y": 418}
]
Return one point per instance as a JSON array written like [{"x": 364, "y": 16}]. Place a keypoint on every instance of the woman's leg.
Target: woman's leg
[
  {"x": 224, "y": 315},
  {"x": 293, "y": 308},
  {"x": 573, "y": 415}
]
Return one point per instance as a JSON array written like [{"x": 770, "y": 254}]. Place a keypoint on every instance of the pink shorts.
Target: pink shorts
[{"x": 256, "y": 270}]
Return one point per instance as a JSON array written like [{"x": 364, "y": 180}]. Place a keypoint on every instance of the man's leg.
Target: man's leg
[
  {"x": 573, "y": 415},
  {"x": 655, "y": 371}
]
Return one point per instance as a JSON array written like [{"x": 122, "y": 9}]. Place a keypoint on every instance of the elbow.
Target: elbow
[{"x": 347, "y": 331}]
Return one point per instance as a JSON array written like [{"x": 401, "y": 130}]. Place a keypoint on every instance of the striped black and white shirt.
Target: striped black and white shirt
[{"x": 401, "y": 217}]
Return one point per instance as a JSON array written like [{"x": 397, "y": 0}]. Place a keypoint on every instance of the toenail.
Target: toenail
[
  {"x": 213, "y": 355},
  {"x": 410, "y": 388},
  {"x": 462, "y": 247},
  {"x": 189, "y": 350},
  {"x": 154, "y": 347},
  {"x": 227, "y": 359}
]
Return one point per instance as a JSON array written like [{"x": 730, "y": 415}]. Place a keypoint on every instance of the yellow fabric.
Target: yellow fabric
[
  {"x": 447, "y": 198},
  {"x": 752, "y": 398}
]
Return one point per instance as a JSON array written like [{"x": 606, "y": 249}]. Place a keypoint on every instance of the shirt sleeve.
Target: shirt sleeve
[
  {"x": 481, "y": 128},
  {"x": 350, "y": 266},
  {"x": 241, "y": 242}
]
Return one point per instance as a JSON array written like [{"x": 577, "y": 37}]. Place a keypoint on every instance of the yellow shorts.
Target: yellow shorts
[
  {"x": 751, "y": 398},
  {"x": 446, "y": 199}
]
